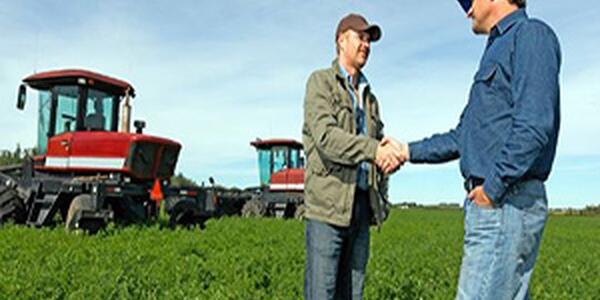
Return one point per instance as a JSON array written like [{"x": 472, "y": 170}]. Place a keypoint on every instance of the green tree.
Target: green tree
[
  {"x": 11, "y": 158},
  {"x": 180, "y": 180}
]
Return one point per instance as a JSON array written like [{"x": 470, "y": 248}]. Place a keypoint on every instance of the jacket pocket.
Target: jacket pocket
[
  {"x": 316, "y": 165},
  {"x": 343, "y": 114},
  {"x": 376, "y": 127}
]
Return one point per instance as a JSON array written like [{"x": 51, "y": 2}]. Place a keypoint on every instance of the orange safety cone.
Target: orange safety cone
[{"x": 157, "y": 195}]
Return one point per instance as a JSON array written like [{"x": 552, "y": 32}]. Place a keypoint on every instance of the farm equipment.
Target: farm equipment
[
  {"x": 281, "y": 176},
  {"x": 88, "y": 171}
]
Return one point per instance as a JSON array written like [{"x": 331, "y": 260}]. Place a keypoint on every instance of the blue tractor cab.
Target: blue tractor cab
[{"x": 275, "y": 155}]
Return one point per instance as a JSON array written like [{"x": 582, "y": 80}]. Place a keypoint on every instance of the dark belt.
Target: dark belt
[
  {"x": 361, "y": 193},
  {"x": 473, "y": 182}
]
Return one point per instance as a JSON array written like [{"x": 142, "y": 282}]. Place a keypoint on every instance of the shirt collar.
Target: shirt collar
[
  {"x": 362, "y": 80},
  {"x": 507, "y": 22}
]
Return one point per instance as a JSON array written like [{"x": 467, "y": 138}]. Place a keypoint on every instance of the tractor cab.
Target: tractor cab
[
  {"x": 88, "y": 168},
  {"x": 83, "y": 130},
  {"x": 280, "y": 164},
  {"x": 74, "y": 100}
]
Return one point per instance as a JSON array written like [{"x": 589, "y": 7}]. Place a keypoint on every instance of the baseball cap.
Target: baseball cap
[
  {"x": 358, "y": 23},
  {"x": 466, "y": 4}
]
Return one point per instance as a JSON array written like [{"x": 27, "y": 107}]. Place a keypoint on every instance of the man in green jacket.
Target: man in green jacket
[{"x": 345, "y": 179}]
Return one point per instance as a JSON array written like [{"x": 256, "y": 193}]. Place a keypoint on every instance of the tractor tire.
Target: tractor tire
[
  {"x": 12, "y": 207},
  {"x": 185, "y": 213},
  {"x": 254, "y": 208},
  {"x": 74, "y": 215},
  {"x": 300, "y": 210}
]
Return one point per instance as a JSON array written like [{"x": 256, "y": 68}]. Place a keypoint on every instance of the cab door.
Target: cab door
[{"x": 63, "y": 121}]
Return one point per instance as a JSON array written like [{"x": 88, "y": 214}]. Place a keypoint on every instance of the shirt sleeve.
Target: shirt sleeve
[
  {"x": 439, "y": 148},
  {"x": 535, "y": 92}
]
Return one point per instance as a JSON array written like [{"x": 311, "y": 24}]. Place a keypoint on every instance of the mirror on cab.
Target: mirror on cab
[
  {"x": 22, "y": 97},
  {"x": 139, "y": 126}
]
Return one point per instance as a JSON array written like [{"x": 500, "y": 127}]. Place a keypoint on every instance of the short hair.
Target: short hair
[{"x": 519, "y": 3}]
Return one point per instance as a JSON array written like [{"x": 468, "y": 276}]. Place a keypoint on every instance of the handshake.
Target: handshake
[{"x": 391, "y": 155}]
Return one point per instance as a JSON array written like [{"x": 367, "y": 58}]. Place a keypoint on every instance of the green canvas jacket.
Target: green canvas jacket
[{"x": 333, "y": 150}]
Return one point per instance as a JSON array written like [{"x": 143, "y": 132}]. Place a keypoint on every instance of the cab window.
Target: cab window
[
  {"x": 66, "y": 108},
  {"x": 43, "y": 121},
  {"x": 98, "y": 115}
]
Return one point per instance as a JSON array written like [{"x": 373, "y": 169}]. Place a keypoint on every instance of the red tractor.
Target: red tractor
[
  {"x": 281, "y": 173},
  {"x": 86, "y": 170}
]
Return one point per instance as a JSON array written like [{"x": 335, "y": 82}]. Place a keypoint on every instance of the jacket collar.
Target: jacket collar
[
  {"x": 336, "y": 69},
  {"x": 343, "y": 76}
]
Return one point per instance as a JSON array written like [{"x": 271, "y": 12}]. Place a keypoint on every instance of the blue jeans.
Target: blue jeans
[
  {"x": 336, "y": 257},
  {"x": 501, "y": 244}
]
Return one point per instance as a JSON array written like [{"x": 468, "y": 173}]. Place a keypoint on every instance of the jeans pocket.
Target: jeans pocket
[
  {"x": 483, "y": 207},
  {"x": 482, "y": 218}
]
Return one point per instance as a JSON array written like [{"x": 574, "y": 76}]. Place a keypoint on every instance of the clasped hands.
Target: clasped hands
[{"x": 391, "y": 155}]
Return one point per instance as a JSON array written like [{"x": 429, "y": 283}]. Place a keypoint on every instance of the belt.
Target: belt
[
  {"x": 360, "y": 192},
  {"x": 472, "y": 182}
]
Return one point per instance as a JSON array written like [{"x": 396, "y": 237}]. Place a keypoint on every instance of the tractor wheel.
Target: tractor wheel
[
  {"x": 74, "y": 216},
  {"x": 254, "y": 208},
  {"x": 185, "y": 213},
  {"x": 300, "y": 210},
  {"x": 12, "y": 207}
]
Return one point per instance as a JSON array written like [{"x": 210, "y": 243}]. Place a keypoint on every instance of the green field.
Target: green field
[{"x": 415, "y": 256}]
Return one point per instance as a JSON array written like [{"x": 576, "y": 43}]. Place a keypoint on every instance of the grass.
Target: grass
[{"x": 415, "y": 256}]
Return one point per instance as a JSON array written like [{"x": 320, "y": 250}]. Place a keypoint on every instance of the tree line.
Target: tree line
[{"x": 14, "y": 157}]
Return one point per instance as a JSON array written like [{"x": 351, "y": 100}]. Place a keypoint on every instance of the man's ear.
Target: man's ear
[
  {"x": 341, "y": 36},
  {"x": 340, "y": 40}
]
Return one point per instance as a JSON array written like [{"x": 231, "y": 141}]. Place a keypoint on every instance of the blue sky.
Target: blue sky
[{"x": 215, "y": 75}]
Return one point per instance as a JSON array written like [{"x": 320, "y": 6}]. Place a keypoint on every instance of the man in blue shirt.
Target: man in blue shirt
[{"x": 506, "y": 141}]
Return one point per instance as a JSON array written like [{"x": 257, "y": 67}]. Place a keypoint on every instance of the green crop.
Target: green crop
[{"x": 416, "y": 255}]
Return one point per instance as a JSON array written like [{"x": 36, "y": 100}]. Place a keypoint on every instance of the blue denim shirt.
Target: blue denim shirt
[
  {"x": 361, "y": 125},
  {"x": 508, "y": 131}
]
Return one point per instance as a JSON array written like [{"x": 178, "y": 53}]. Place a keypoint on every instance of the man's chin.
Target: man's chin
[
  {"x": 361, "y": 62},
  {"x": 477, "y": 29}
]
